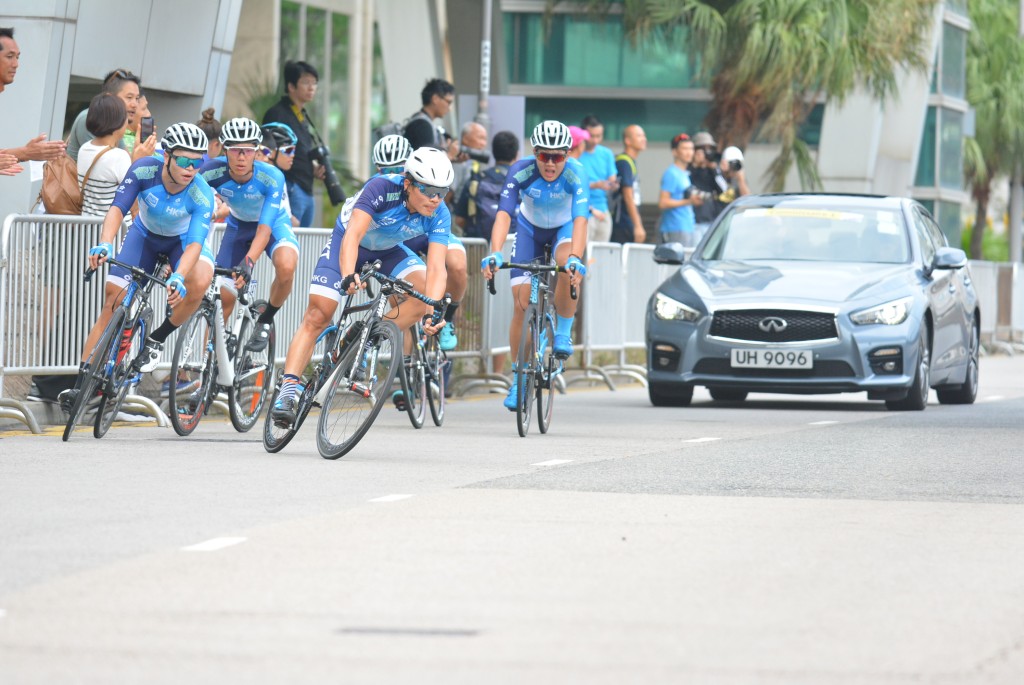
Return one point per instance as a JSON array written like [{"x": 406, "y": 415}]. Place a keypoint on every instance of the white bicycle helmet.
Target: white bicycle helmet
[
  {"x": 184, "y": 136},
  {"x": 551, "y": 135},
  {"x": 391, "y": 150},
  {"x": 240, "y": 130},
  {"x": 430, "y": 166}
]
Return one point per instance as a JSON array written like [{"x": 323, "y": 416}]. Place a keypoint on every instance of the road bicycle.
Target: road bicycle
[
  {"x": 422, "y": 378},
  {"x": 537, "y": 366},
  {"x": 112, "y": 367},
  {"x": 210, "y": 357}
]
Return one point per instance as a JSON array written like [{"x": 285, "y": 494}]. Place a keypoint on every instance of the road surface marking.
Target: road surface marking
[
  {"x": 213, "y": 545},
  {"x": 821, "y": 423},
  {"x": 994, "y": 398},
  {"x": 702, "y": 440},
  {"x": 390, "y": 498},
  {"x": 552, "y": 462}
]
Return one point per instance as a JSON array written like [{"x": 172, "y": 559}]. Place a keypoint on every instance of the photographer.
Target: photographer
[
  {"x": 421, "y": 128},
  {"x": 301, "y": 80},
  {"x": 706, "y": 178},
  {"x": 731, "y": 167},
  {"x": 473, "y": 155}
]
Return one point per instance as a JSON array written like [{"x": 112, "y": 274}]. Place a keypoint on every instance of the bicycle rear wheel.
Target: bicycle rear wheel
[
  {"x": 549, "y": 366},
  {"x": 436, "y": 363},
  {"x": 358, "y": 390},
  {"x": 254, "y": 372},
  {"x": 526, "y": 370},
  {"x": 414, "y": 381},
  {"x": 193, "y": 372},
  {"x": 121, "y": 378},
  {"x": 89, "y": 382}
]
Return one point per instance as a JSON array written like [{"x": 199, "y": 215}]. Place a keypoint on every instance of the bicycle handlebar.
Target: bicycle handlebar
[
  {"x": 530, "y": 267},
  {"x": 136, "y": 271}
]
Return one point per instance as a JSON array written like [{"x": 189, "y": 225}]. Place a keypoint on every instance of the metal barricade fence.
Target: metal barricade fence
[{"x": 983, "y": 274}]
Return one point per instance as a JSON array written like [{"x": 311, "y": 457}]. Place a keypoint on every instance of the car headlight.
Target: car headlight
[
  {"x": 889, "y": 314},
  {"x": 667, "y": 309}
]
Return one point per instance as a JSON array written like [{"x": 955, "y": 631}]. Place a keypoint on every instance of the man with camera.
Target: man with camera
[
  {"x": 421, "y": 128},
  {"x": 706, "y": 179},
  {"x": 473, "y": 155},
  {"x": 312, "y": 158}
]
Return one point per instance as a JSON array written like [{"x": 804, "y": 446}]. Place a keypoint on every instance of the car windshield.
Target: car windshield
[{"x": 799, "y": 233}]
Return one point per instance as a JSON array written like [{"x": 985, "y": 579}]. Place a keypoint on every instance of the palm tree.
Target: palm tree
[
  {"x": 769, "y": 62},
  {"x": 995, "y": 88}
]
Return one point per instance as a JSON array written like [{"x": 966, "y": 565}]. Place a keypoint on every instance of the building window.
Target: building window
[
  {"x": 661, "y": 119},
  {"x": 947, "y": 215},
  {"x": 953, "y": 60},
  {"x": 951, "y": 149},
  {"x": 925, "y": 177}
]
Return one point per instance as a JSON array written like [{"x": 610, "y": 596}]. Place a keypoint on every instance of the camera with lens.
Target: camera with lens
[
  {"x": 321, "y": 155},
  {"x": 477, "y": 155},
  {"x": 704, "y": 195},
  {"x": 735, "y": 165},
  {"x": 712, "y": 155}
]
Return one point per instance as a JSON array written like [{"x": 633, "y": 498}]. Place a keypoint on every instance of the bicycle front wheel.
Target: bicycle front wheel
[
  {"x": 254, "y": 373},
  {"x": 358, "y": 390},
  {"x": 193, "y": 372},
  {"x": 414, "y": 381},
  {"x": 526, "y": 368},
  {"x": 547, "y": 372},
  {"x": 89, "y": 382},
  {"x": 436, "y": 363},
  {"x": 120, "y": 379}
]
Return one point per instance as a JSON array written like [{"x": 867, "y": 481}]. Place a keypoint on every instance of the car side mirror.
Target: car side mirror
[
  {"x": 670, "y": 253},
  {"x": 949, "y": 258}
]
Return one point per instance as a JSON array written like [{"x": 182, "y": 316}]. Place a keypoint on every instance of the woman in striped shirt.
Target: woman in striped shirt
[{"x": 100, "y": 158}]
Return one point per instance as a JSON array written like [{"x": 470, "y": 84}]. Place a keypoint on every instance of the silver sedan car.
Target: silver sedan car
[{"x": 816, "y": 293}]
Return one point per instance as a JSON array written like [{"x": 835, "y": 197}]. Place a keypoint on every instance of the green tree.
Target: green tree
[
  {"x": 995, "y": 88},
  {"x": 768, "y": 62}
]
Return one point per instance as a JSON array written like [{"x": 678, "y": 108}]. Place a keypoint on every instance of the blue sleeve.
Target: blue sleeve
[
  {"x": 374, "y": 195},
  {"x": 668, "y": 182},
  {"x": 140, "y": 173},
  {"x": 201, "y": 195},
  {"x": 578, "y": 187},
  {"x": 440, "y": 225},
  {"x": 509, "y": 199},
  {"x": 609, "y": 163}
]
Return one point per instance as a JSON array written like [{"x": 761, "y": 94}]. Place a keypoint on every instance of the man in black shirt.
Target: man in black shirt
[
  {"x": 301, "y": 80},
  {"x": 706, "y": 177}
]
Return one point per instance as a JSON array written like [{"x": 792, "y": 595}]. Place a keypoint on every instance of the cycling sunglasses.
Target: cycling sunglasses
[
  {"x": 287, "y": 150},
  {"x": 241, "y": 150},
  {"x": 551, "y": 157},
  {"x": 430, "y": 191},
  {"x": 186, "y": 162}
]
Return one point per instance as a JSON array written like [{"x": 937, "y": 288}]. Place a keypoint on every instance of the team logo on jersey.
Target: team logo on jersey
[
  {"x": 534, "y": 192},
  {"x": 176, "y": 212},
  {"x": 524, "y": 174},
  {"x": 226, "y": 192},
  {"x": 146, "y": 172},
  {"x": 265, "y": 178},
  {"x": 386, "y": 221},
  {"x": 152, "y": 200},
  {"x": 319, "y": 278},
  {"x": 394, "y": 196},
  {"x": 253, "y": 196},
  {"x": 127, "y": 182}
]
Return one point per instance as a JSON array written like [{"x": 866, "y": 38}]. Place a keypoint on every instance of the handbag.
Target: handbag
[{"x": 61, "y": 192}]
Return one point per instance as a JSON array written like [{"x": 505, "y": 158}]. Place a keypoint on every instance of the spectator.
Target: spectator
[
  {"x": 477, "y": 203},
  {"x": 599, "y": 163},
  {"x": 422, "y": 130},
  {"x": 731, "y": 167},
  {"x": 38, "y": 149},
  {"x": 706, "y": 176},
  {"x": 579, "y": 141},
  {"x": 211, "y": 127},
  {"x": 125, "y": 85},
  {"x": 675, "y": 200},
  {"x": 100, "y": 159},
  {"x": 301, "y": 80},
  {"x": 626, "y": 223},
  {"x": 473, "y": 154}
]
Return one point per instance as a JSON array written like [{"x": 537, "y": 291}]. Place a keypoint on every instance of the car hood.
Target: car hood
[{"x": 823, "y": 283}]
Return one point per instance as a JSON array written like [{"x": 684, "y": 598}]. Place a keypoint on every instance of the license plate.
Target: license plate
[{"x": 771, "y": 359}]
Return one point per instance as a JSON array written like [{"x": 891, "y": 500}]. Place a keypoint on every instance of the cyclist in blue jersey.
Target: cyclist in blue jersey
[
  {"x": 175, "y": 208},
  {"x": 550, "y": 190},
  {"x": 281, "y": 154},
  {"x": 256, "y": 223},
  {"x": 390, "y": 210},
  {"x": 389, "y": 156}
]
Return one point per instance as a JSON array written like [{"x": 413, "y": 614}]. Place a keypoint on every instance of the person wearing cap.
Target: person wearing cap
[
  {"x": 599, "y": 163},
  {"x": 731, "y": 167},
  {"x": 579, "y": 141},
  {"x": 706, "y": 176},
  {"x": 675, "y": 201}
]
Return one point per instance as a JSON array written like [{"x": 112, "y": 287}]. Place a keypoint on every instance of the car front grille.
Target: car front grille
[
  {"x": 763, "y": 325},
  {"x": 829, "y": 368}
]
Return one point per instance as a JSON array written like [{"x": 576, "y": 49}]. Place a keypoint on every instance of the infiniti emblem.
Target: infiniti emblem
[{"x": 772, "y": 324}]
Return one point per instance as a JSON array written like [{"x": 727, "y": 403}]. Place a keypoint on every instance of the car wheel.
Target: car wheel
[
  {"x": 917, "y": 396},
  {"x": 968, "y": 392},
  {"x": 727, "y": 394},
  {"x": 674, "y": 395}
]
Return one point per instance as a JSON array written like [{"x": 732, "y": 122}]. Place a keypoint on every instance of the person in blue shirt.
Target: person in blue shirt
[
  {"x": 389, "y": 210},
  {"x": 550, "y": 190},
  {"x": 175, "y": 209},
  {"x": 676, "y": 202},
  {"x": 256, "y": 222},
  {"x": 389, "y": 156},
  {"x": 599, "y": 161}
]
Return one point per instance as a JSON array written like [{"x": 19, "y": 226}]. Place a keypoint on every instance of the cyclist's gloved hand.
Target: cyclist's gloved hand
[
  {"x": 498, "y": 260},
  {"x": 347, "y": 282},
  {"x": 574, "y": 264},
  {"x": 102, "y": 250},
  {"x": 244, "y": 269},
  {"x": 177, "y": 282}
]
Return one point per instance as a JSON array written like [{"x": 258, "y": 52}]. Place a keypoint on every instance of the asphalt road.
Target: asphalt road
[{"x": 779, "y": 540}]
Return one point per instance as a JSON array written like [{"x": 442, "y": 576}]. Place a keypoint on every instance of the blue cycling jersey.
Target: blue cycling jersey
[
  {"x": 160, "y": 212},
  {"x": 391, "y": 222},
  {"x": 545, "y": 204},
  {"x": 254, "y": 202}
]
